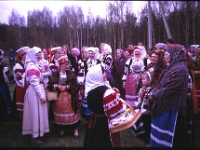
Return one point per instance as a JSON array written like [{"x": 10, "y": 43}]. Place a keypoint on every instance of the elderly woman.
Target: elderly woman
[
  {"x": 35, "y": 116},
  {"x": 169, "y": 101},
  {"x": 66, "y": 107},
  {"x": 75, "y": 59},
  {"x": 118, "y": 71}
]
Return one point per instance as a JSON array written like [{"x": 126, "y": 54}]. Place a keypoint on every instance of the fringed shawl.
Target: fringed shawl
[{"x": 172, "y": 87}]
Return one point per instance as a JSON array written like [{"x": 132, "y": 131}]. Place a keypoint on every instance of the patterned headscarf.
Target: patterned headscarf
[
  {"x": 176, "y": 52},
  {"x": 160, "y": 46}
]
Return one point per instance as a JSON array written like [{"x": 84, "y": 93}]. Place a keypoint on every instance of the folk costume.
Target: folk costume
[
  {"x": 169, "y": 101},
  {"x": 99, "y": 96},
  {"x": 19, "y": 77},
  {"x": 131, "y": 78},
  {"x": 132, "y": 83},
  {"x": 35, "y": 116},
  {"x": 66, "y": 107},
  {"x": 85, "y": 111}
]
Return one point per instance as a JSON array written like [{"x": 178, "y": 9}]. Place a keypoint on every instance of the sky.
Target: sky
[{"x": 22, "y": 7}]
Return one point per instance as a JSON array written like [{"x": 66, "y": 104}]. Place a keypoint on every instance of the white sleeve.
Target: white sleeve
[
  {"x": 6, "y": 78},
  {"x": 33, "y": 76}
]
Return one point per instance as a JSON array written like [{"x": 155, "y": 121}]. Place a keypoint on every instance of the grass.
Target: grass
[{"x": 11, "y": 134}]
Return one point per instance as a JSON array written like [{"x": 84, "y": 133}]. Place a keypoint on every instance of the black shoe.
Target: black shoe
[
  {"x": 35, "y": 141},
  {"x": 76, "y": 137}
]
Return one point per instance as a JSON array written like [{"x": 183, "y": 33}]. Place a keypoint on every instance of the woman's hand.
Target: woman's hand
[
  {"x": 115, "y": 89},
  {"x": 62, "y": 88},
  {"x": 43, "y": 100},
  {"x": 150, "y": 95}
]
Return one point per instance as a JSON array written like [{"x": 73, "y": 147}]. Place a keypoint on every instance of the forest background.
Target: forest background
[{"x": 120, "y": 28}]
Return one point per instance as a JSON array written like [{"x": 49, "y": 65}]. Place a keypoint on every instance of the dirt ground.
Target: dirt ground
[{"x": 10, "y": 136}]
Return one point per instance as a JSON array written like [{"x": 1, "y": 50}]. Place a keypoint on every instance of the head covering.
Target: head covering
[
  {"x": 176, "y": 52},
  {"x": 130, "y": 51},
  {"x": 55, "y": 48},
  {"x": 62, "y": 59},
  {"x": 95, "y": 50},
  {"x": 142, "y": 50},
  {"x": 23, "y": 50},
  {"x": 94, "y": 78},
  {"x": 30, "y": 55},
  {"x": 76, "y": 51},
  {"x": 160, "y": 46},
  {"x": 107, "y": 49},
  {"x": 1, "y": 53}
]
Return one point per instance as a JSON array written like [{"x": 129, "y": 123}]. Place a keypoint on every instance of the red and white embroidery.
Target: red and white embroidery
[
  {"x": 112, "y": 105},
  {"x": 33, "y": 72}
]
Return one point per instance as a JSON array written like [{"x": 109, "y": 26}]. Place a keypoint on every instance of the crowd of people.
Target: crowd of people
[{"x": 160, "y": 82}]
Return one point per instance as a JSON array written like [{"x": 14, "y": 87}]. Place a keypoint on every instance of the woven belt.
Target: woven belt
[
  {"x": 28, "y": 83},
  {"x": 93, "y": 118}
]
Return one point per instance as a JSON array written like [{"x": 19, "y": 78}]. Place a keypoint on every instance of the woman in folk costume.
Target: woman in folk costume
[
  {"x": 46, "y": 54},
  {"x": 5, "y": 98},
  {"x": 191, "y": 103},
  {"x": 91, "y": 61},
  {"x": 139, "y": 53},
  {"x": 158, "y": 64},
  {"x": 57, "y": 52},
  {"x": 46, "y": 72},
  {"x": 19, "y": 77},
  {"x": 106, "y": 60},
  {"x": 169, "y": 101},
  {"x": 35, "y": 116},
  {"x": 66, "y": 107},
  {"x": 132, "y": 75},
  {"x": 99, "y": 94},
  {"x": 53, "y": 67}
]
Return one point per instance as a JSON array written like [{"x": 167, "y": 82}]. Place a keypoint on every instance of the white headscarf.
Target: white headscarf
[
  {"x": 107, "y": 49},
  {"x": 95, "y": 50},
  {"x": 30, "y": 55},
  {"x": 94, "y": 79},
  {"x": 142, "y": 50}
]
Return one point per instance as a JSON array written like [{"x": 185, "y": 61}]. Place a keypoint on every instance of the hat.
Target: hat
[
  {"x": 23, "y": 50},
  {"x": 160, "y": 46},
  {"x": 62, "y": 59},
  {"x": 55, "y": 48},
  {"x": 130, "y": 51}
]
